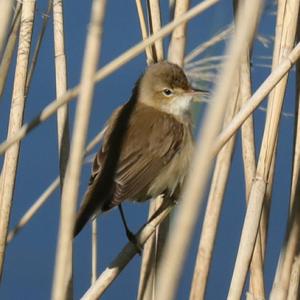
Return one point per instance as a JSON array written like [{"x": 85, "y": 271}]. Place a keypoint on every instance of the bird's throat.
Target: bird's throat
[{"x": 179, "y": 108}]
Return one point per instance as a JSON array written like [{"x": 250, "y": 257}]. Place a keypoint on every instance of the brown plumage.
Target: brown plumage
[{"x": 147, "y": 144}]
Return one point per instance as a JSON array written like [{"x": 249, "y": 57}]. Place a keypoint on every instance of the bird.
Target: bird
[{"x": 147, "y": 145}]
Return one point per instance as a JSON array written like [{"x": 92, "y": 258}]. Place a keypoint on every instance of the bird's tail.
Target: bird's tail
[{"x": 88, "y": 209}]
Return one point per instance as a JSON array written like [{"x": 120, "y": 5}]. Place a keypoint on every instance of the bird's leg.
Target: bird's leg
[{"x": 131, "y": 237}]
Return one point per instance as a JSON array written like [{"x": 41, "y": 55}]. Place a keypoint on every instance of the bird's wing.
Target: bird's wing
[{"x": 151, "y": 140}]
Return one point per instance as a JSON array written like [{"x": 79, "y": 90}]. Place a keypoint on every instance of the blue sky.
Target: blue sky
[{"x": 30, "y": 256}]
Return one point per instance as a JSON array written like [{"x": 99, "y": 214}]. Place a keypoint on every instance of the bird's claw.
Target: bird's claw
[{"x": 132, "y": 239}]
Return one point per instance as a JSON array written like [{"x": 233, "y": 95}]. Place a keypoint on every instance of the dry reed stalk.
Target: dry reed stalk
[
  {"x": 214, "y": 203},
  {"x": 206, "y": 45},
  {"x": 289, "y": 250},
  {"x": 124, "y": 257},
  {"x": 61, "y": 86},
  {"x": 108, "y": 69},
  {"x": 9, "y": 168},
  {"x": 247, "y": 130},
  {"x": 63, "y": 265},
  {"x": 61, "y": 83},
  {"x": 180, "y": 237},
  {"x": 7, "y": 54},
  {"x": 162, "y": 232},
  {"x": 293, "y": 291},
  {"x": 37, "y": 48},
  {"x": 94, "y": 251},
  {"x": 284, "y": 44},
  {"x": 155, "y": 26},
  {"x": 143, "y": 27},
  {"x": 264, "y": 220},
  {"x": 178, "y": 39},
  {"x": 47, "y": 193},
  {"x": 148, "y": 269},
  {"x": 146, "y": 281},
  {"x": 267, "y": 198},
  {"x": 256, "y": 283},
  {"x": 296, "y": 162},
  {"x": 242, "y": 264},
  {"x": 5, "y": 18},
  {"x": 152, "y": 248},
  {"x": 9, "y": 48}
]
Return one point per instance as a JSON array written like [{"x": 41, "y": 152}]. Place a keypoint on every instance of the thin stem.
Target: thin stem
[
  {"x": 256, "y": 284},
  {"x": 143, "y": 27},
  {"x": 178, "y": 40},
  {"x": 9, "y": 170},
  {"x": 37, "y": 48},
  {"x": 148, "y": 265},
  {"x": 63, "y": 265},
  {"x": 147, "y": 271},
  {"x": 293, "y": 291},
  {"x": 61, "y": 85},
  {"x": 155, "y": 26},
  {"x": 5, "y": 18},
  {"x": 10, "y": 48}
]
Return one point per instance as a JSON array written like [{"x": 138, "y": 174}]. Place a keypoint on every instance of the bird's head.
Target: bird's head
[{"x": 165, "y": 87}]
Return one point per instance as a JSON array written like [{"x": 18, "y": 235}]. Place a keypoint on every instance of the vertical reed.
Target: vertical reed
[
  {"x": 9, "y": 47},
  {"x": 153, "y": 246},
  {"x": 61, "y": 85},
  {"x": 9, "y": 169},
  {"x": 63, "y": 265},
  {"x": 5, "y": 18},
  {"x": 178, "y": 40}
]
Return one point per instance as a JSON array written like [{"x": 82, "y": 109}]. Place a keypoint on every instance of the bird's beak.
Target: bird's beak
[{"x": 197, "y": 93}]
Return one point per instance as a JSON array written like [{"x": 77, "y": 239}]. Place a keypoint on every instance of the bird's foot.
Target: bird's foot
[{"x": 132, "y": 239}]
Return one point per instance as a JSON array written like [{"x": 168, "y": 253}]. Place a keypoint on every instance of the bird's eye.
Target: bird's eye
[{"x": 167, "y": 92}]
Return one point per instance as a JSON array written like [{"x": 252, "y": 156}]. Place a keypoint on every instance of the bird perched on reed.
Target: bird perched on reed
[{"x": 147, "y": 145}]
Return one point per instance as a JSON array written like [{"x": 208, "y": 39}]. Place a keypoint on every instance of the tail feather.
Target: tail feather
[
  {"x": 93, "y": 203},
  {"x": 89, "y": 208},
  {"x": 81, "y": 219}
]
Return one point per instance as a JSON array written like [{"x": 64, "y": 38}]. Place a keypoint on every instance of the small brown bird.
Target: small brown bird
[{"x": 147, "y": 145}]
